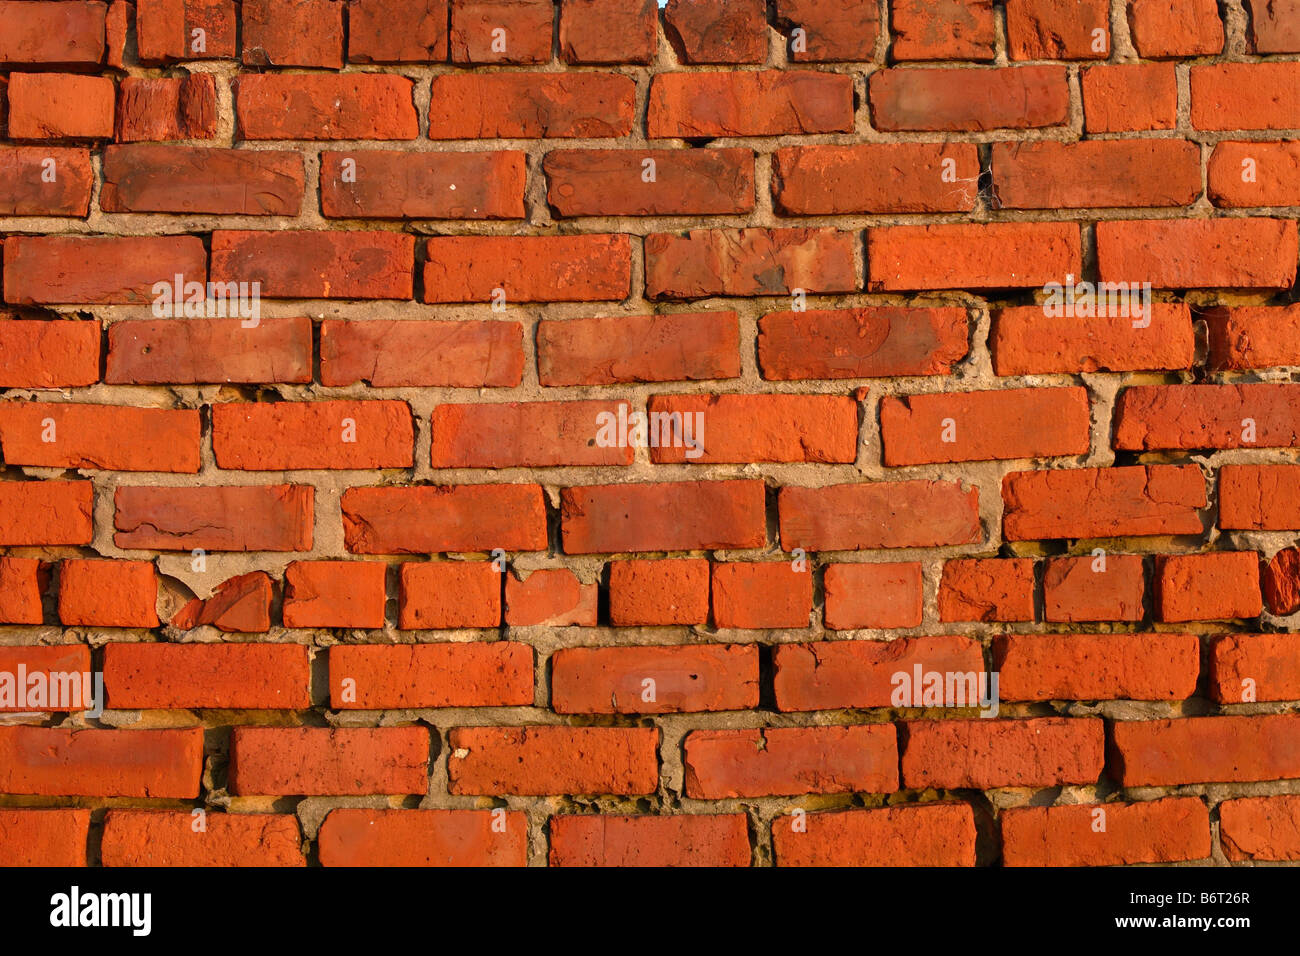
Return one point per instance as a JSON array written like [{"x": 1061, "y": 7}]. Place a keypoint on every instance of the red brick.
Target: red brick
[
  {"x": 679, "y": 839},
  {"x": 1199, "y": 254},
  {"x": 385, "y": 353},
  {"x": 395, "y": 677},
  {"x": 524, "y": 435},
  {"x": 167, "y": 108},
  {"x": 335, "y": 594},
  {"x": 241, "y": 604},
  {"x": 1259, "y": 497},
  {"x": 108, "y": 437},
  {"x": 987, "y": 589},
  {"x": 193, "y": 351},
  {"x": 449, "y": 594},
  {"x": 317, "y": 265},
  {"x": 97, "y": 270},
  {"x": 942, "y": 30},
  {"x": 1096, "y": 173},
  {"x": 1175, "y": 28},
  {"x": 1129, "y": 97},
  {"x": 397, "y": 31},
  {"x": 393, "y": 185},
  {"x": 551, "y": 597},
  {"x": 1274, "y": 26},
  {"x": 531, "y": 105},
  {"x": 933, "y": 834},
  {"x": 65, "y": 682},
  {"x": 50, "y": 761},
  {"x": 1245, "y": 668},
  {"x": 1126, "y": 501},
  {"x": 685, "y": 182},
  {"x": 1002, "y": 255},
  {"x": 654, "y": 680},
  {"x": 293, "y": 33},
  {"x": 329, "y": 761},
  {"x": 666, "y": 516},
  {"x": 749, "y": 103},
  {"x": 52, "y": 34},
  {"x": 989, "y": 754},
  {"x": 538, "y": 761},
  {"x": 193, "y": 179},
  {"x": 432, "y": 519},
  {"x": 24, "y": 191},
  {"x": 753, "y": 428},
  {"x": 286, "y": 436},
  {"x": 108, "y": 593},
  {"x": 1220, "y": 585},
  {"x": 357, "y": 837},
  {"x": 857, "y": 675},
  {"x": 22, "y": 581},
  {"x": 868, "y": 516},
  {"x": 1107, "y": 587},
  {"x": 655, "y": 593},
  {"x": 1261, "y": 828},
  {"x": 43, "y": 837},
  {"x": 226, "y": 518},
  {"x": 1112, "y": 834},
  {"x": 872, "y": 342},
  {"x": 45, "y": 512},
  {"x": 750, "y": 262},
  {"x": 318, "y": 106},
  {"x": 978, "y": 426},
  {"x": 1058, "y": 29},
  {"x": 527, "y": 268},
  {"x": 1281, "y": 582},
  {"x": 875, "y": 177},
  {"x": 165, "y": 29},
  {"x": 833, "y": 30},
  {"x": 873, "y": 595},
  {"x": 524, "y": 31},
  {"x": 1022, "y": 97},
  {"x": 207, "y": 676},
  {"x": 1026, "y": 341},
  {"x": 60, "y": 106},
  {"x": 54, "y": 354},
  {"x": 1245, "y": 96},
  {"x": 769, "y": 594},
  {"x": 168, "y": 838},
  {"x": 1035, "y": 667},
  {"x": 686, "y": 346},
  {"x": 717, "y": 31},
  {"x": 789, "y": 761},
  {"x": 1208, "y": 416},
  {"x": 608, "y": 31},
  {"x": 1162, "y": 753},
  {"x": 1254, "y": 174}
]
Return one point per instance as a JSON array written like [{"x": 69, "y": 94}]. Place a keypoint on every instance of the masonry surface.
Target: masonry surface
[{"x": 355, "y": 520}]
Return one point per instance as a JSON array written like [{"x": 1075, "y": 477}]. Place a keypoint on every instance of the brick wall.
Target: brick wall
[{"x": 375, "y": 564}]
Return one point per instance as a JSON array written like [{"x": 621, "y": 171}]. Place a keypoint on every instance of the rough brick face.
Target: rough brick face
[{"x": 592, "y": 433}]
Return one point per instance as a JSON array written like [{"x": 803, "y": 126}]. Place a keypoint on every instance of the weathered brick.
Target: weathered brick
[
  {"x": 767, "y": 594},
  {"x": 329, "y": 761},
  {"x": 1098, "y": 587},
  {"x": 1027, "y": 341},
  {"x": 873, "y": 595},
  {"x": 335, "y": 594},
  {"x": 25, "y": 189},
  {"x": 1058, "y": 29},
  {"x": 669, "y": 516},
  {"x": 241, "y": 604},
  {"x": 225, "y": 676},
  {"x": 1111, "y": 834},
  {"x": 382, "y": 184},
  {"x": 749, "y": 262},
  {"x": 1208, "y": 416},
  {"x": 637, "y": 348},
  {"x": 683, "y": 182},
  {"x": 1254, "y": 174},
  {"x": 168, "y": 838},
  {"x": 193, "y": 179},
  {"x": 286, "y": 436},
  {"x": 321, "y": 106},
  {"x": 524, "y": 435},
  {"x": 833, "y": 30},
  {"x": 1096, "y": 173},
  {"x": 989, "y": 754},
  {"x": 932, "y": 834},
  {"x": 1259, "y": 497},
  {"x": 317, "y": 265},
  {"x": 1002, "y": 255},
  {"x": 97, "y": 269},
  {"x": 1129, "y": 97},
  {"x": 839, "y": 675},
  {"x": 1199, "y": 253},
  {"x": 659, "y": 593},
  {"x": 501, "y": 31},
  {"x": 942, "y": 30},
  {"x": 1250, "y": 667},
  {"x": 226, "y": 518},
  {"x": 54, "y": 354},
  {"x": 679, "y": 839},
  {"x": 1164, "y": 753},
  {"x": 51, "y": 761},
  {"x": 608, "y": 31},
  {"x": 52, "y": 34},
  {"x": 872, "y": 342},
  {"x": 553, "y": 597},
  {"x": 860, "y": 517},
  {"x": 748, "y": 103},
  {"x": 395, "y": 677},
  {"x": 431, "y": 519},
  {"x": 987, "y": 589},
  {"x": 45, "y": 512},
  {"x": 789, "y": 761},
  {"x": 537, "y": 761},
  {"x": 875, "y": 177},
  {"x": 1102, "y": 502},
  {"x": 358, "y": 837},
  {"x": 60, "y": 106},
  {"x": 515, "y": 269},
  {"x": 448, "y": 594},
  {"x": 654, "y": 680},
  {"x": 397, "y": 31},
  {"x": 167, "y": 108},
  {"x": 44, "y": 837},
  {"x": 752, "y": 428},
  {"x": 1219, "y": 585},
  {"x": 717, "y": 31},
  {"x": 386, "y": 353},
  {"x": 1096, "y": 666},
  {"x": 192, "y": 351},
  {"x": 107, "y": 437},
  {"x": 108, "y": 593},
  {"x": 1022, "y": 97},
  {"x": 1261, "y": 828},
  {"x": 1245, "y": 96},
  {"x": 533, "y": 105}
]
